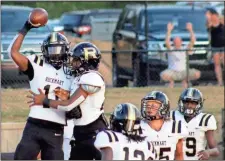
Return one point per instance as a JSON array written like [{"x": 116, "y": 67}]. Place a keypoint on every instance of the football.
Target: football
[{"x": 38, "y": 17}]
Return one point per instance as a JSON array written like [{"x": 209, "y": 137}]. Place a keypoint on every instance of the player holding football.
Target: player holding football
[
  {"x": 44, "y": 128},
  {"x": 124, "y": 141},
  {"x": 201, "y": 126},
  {"x": 166, "y": 135},
  {"x": 87, "y": 95}
]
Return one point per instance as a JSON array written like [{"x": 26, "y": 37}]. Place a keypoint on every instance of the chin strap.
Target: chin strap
[{"x": 151, "y": 118}]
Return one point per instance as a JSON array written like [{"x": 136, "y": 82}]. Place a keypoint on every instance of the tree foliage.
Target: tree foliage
[{"x": 57, "y": 8}]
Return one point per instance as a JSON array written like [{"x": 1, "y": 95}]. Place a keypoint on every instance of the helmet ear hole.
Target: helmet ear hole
[{"x": 89, "y": 54}]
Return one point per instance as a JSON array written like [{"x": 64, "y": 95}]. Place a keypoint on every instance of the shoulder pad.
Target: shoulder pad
[
  {"x": 112, "y": 136},
  {"x": 92, "y": 79},
  {"x": 173, "y": 114},
  {"x": 36, "y": 59},
  {"x": 105, "y": 138},
  {"x": 207, "y": 122}
]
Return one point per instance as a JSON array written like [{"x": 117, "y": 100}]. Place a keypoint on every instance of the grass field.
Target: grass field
[{"x": 15, "y": 109}]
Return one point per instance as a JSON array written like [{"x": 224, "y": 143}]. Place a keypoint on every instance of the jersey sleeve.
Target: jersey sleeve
[
  {"x": 92, "y": 79},
  {"x": 208, "y": 122},
  {"x": 102, "y": 140},
  {"x": 212, "y": 123}
]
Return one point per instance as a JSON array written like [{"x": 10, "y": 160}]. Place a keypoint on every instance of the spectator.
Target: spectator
[
  {"x": 177, "y": 59},
  {"x": 217, "y": 41}
]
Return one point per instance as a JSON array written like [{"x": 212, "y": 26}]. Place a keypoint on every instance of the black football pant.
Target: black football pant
[
  {"x": 40, "y": 136},
  {"x": 83, "y": 147}
]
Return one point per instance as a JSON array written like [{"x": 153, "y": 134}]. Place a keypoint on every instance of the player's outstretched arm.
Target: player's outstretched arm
[
  {"x": 67, "y": 105},
  {"x": 14, "y": 48},
  {"x": 213, "y": 150},
  {"x": 179, "y": 150}
]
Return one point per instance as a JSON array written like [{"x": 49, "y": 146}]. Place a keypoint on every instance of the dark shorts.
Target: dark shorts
[
  {"x": 83, "y": 147},
  {"x": 37, "y": 137},
  {"x": 218, "y": 50}
]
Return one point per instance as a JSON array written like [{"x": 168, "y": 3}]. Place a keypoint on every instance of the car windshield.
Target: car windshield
[
  {"x": 13, "y": 21},
  {"x": 157, "y": 21},
  {"x": 70, "y": 19}
]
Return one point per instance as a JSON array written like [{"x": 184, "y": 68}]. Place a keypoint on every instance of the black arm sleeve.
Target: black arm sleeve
[{"x": 30, "y": 71}]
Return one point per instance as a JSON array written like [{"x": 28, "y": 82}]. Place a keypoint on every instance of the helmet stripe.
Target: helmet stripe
[
  {"x": 190, "y": 92},
  {"x": 131, "y": 113},
  {"x": 131, "y": 117},
  {"x": 53, "y": 37}
]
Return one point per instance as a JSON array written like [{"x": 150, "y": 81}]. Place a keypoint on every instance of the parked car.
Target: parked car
[
  {"x": 79, "y": 23},
  {"x": 54, "y": 25},
  {"x": 12, "y": 20},
  {"x": 130, "y": 35},
  {"x": 71, "y": 21}
]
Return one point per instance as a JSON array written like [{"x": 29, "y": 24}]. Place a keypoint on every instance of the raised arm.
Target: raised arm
[
  {"x": 88, "y": 84},
  {"x": 208, "y": 18},
  {"x": 192, "y": 36},
  {"x": 14, "y": 48},
  {"x": 168, "y": 34}
]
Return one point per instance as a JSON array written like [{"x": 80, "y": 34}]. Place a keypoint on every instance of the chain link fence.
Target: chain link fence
[
  {"x": 144, "y": 67},
  {"x": 137, "y": 68}
]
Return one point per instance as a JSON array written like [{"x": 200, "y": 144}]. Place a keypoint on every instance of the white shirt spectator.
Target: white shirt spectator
[{"x": 177, "y": 60}]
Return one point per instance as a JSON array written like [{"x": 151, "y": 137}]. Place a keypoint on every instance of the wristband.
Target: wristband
[
  {"x": 46, "y": 103},
  {"x": 25, "y": 28}
]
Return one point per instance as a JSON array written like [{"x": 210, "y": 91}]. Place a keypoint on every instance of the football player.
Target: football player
[
  {"x": 124, "y": 141},
  {"x": 87, "y": 95},
  {"x": 201, "y": 126},
  {"x": 44, "y": 128},
  {"x": 166, "y": 135}
]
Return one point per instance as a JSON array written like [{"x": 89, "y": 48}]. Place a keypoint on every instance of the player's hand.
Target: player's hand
[
  {"x": 170, "y": 27},
  {"x": 62, "y": 94},
  {"x": 203, "y": 155},
  {"x": 189, "y": 26},
  {"x": 28, "y": 25},
  {"x": 36, "y": 99}
]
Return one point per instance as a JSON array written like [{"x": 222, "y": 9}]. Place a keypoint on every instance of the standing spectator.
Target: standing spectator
[
  {"x": 177, "y": 59},
  {"x": 217, "y": 41}
]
